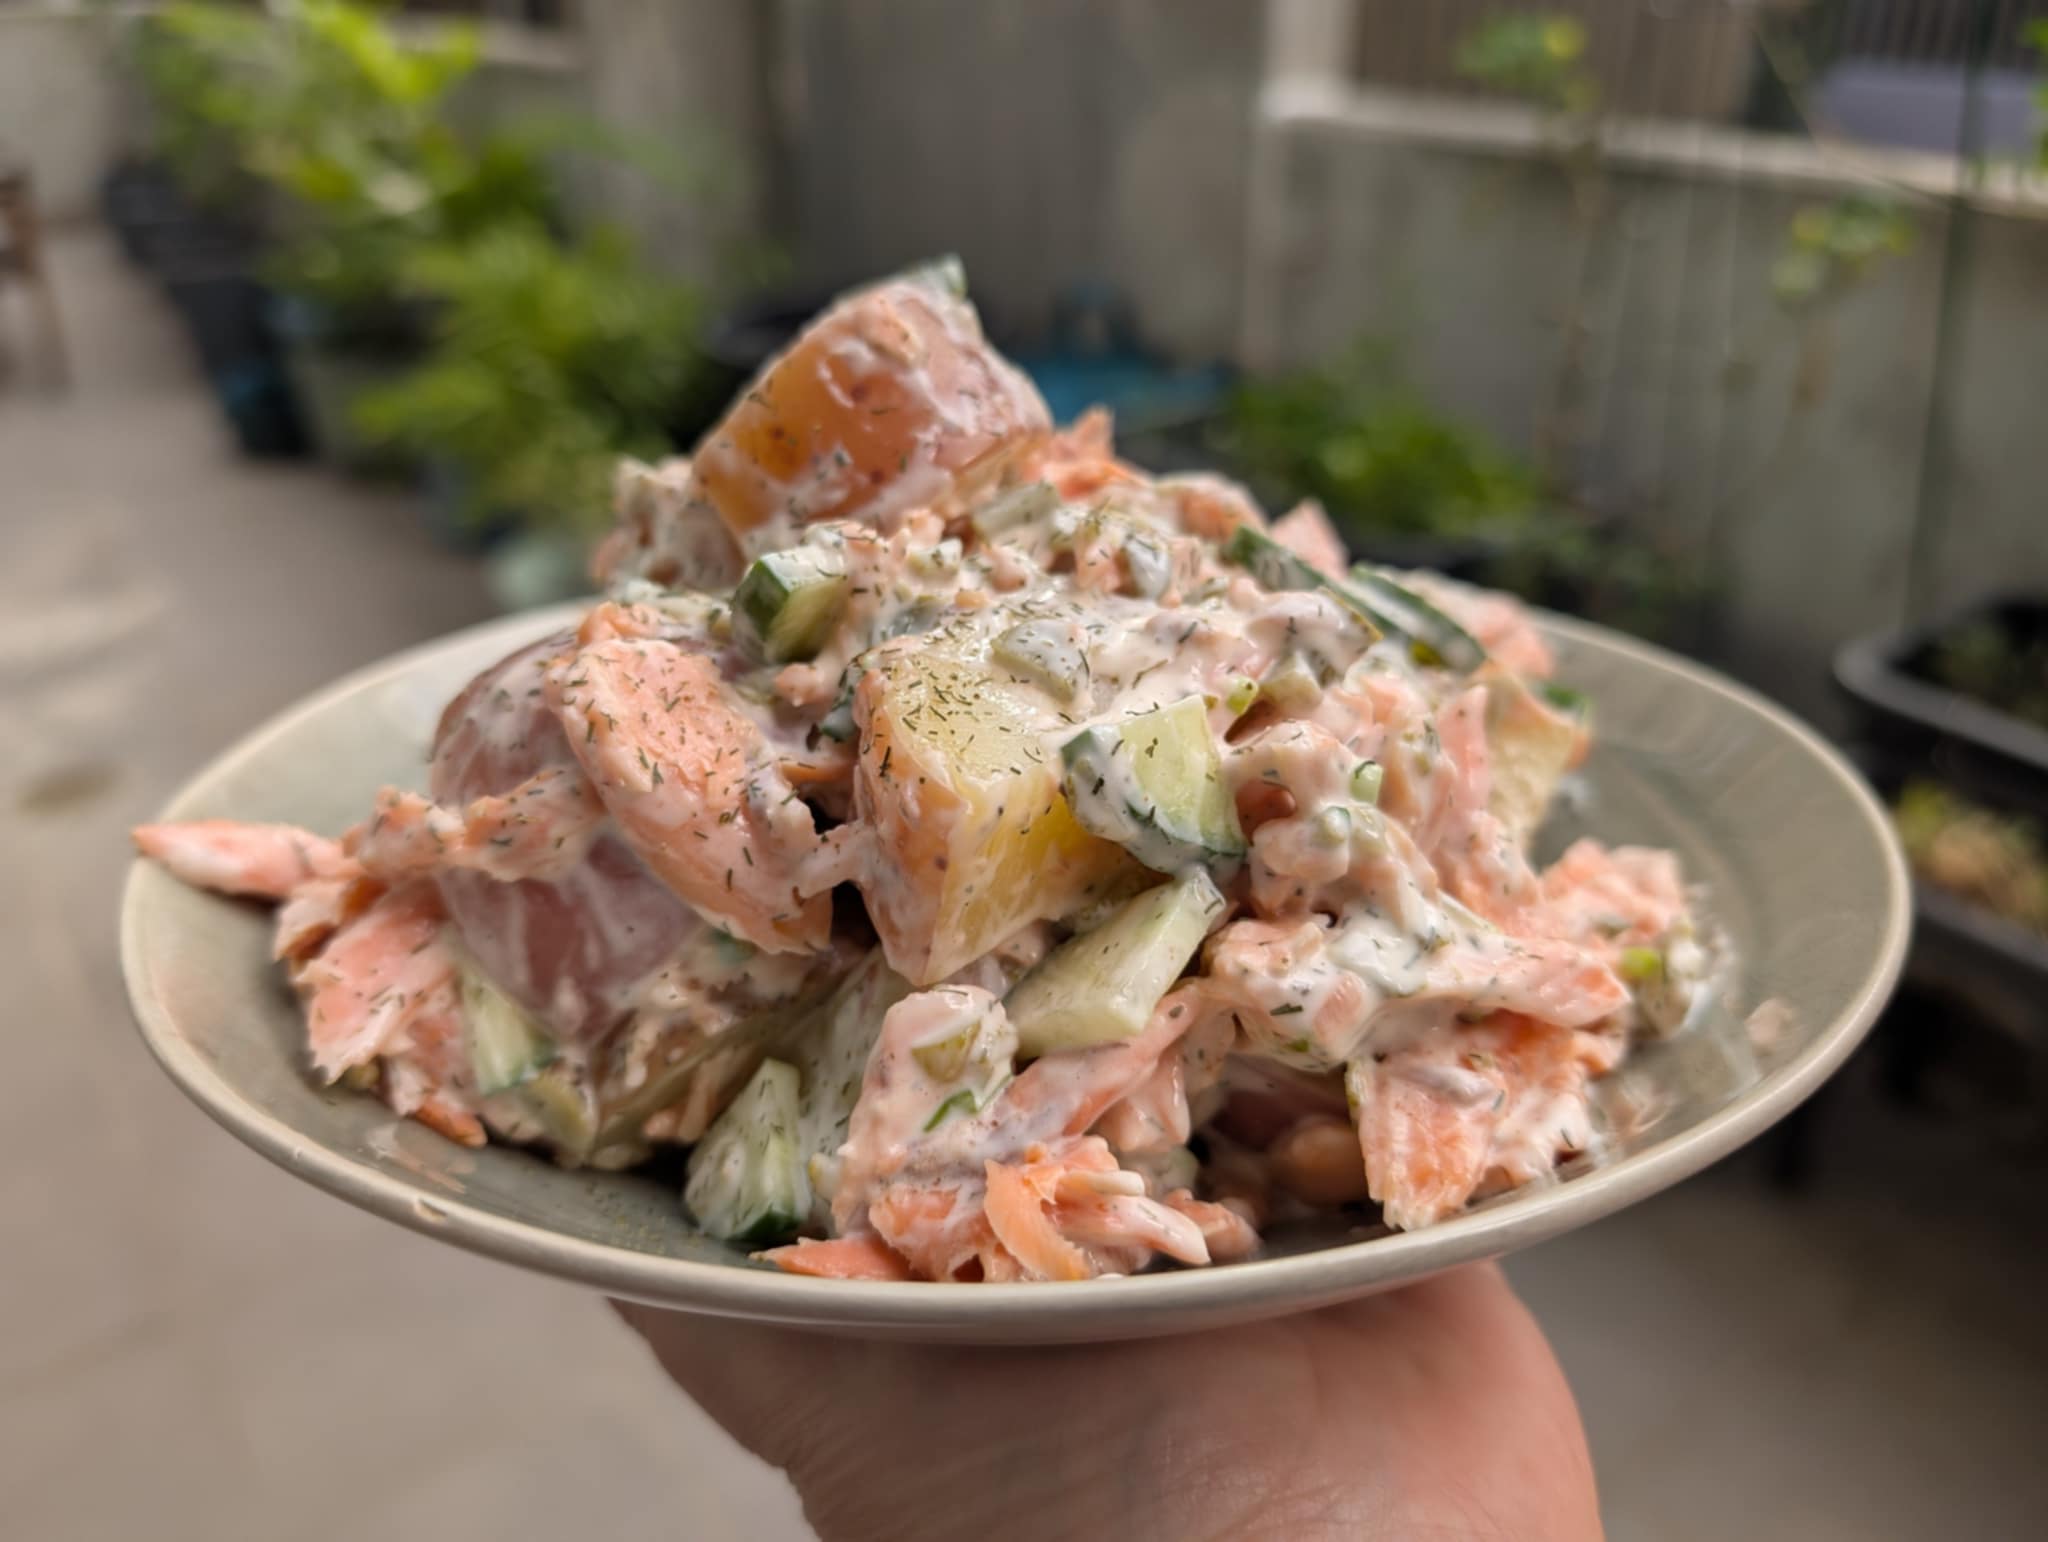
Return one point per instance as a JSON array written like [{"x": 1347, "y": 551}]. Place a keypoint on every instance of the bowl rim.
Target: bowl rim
[{"x": 1105, "y": 1308}]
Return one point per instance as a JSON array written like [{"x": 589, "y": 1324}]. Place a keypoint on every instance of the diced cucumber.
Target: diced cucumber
[
  {"x": 1367, "y": 777},
  {"x": 1101, "y": 986},
  {"x": 1154, "y": 784},
  {"x": 1278, "y": 568},
  {"x": 664, "y": 1085},
  {"x": 790, "y": 600},
  {"x": 1433, "y": 637},
  {"x": 832, "y": 1053},
  {"x": 1014, "y": 508},
  {"x": 746, "y": 1182},
  {"x": 970, "y": 1055},
  {"x": 1565, "y": 699},
  {"x": 1294, "y": 685},
  {"x": 564, "y": 1110},
  {"x": 506, "y": 1046},
  {"x": 1379, "y": 602},
  {"x": 1045, "y": 651},
  {"x": 945, "y": 272}
]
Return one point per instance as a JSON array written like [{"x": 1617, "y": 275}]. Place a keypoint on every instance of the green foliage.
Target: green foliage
[
  {"x": 547, "y": 357},
  {"x": 1829, "y": 248},
  {"x": 548, "y": 362},
  {"x": 1996, "y": 667},
  {"x": 339, "y": 119},
  {"x": 1538, "y": 58},
  {"x": 1372, "y": 450}
]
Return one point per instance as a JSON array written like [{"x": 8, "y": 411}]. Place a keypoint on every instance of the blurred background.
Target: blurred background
[{"x": 1724, "y": 322}]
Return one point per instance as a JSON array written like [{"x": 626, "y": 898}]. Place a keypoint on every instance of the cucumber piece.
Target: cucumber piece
[
  {"x": 1016, "y": 507},
  {"x": 564, "y": 1111},
  {"x": 506, "y": 1046},
  {"x": 1101, "y": 986},
  {"x": 763, "y": 1031},
  {"x": 746, "y": 1182},
  {"x": 1380, "y": 603},
  {"x": 1154, "y": 784},
  {"x": 1433, "y": 637},
  {"x": 1046, "y": 652},
  {"x": 1278, "y": 568},
  {"x": 790, "y": 600},
  {"x": 832, "y": 1053}
]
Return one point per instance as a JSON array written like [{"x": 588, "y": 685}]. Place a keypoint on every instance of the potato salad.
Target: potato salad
[{"x": 990, "y": 862}]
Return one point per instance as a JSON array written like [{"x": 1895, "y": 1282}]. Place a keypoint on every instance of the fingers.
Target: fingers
[{"x": 1437, "y": 1405}]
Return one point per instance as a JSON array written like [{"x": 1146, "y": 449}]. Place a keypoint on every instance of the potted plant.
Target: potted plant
[
  {"x": 335, "y": 120},
  {"x": 548, "y": 360}
]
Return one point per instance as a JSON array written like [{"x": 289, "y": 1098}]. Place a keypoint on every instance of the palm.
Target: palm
[{"x": 1435, "y": 1411}]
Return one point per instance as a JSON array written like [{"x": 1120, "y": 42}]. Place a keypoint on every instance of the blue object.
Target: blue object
[
  {"x": 1093, "y": 357},
  {"x": 1920, "y": 106}
]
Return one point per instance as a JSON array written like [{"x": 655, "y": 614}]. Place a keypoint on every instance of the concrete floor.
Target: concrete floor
[{"x": 197, "y": 1347}]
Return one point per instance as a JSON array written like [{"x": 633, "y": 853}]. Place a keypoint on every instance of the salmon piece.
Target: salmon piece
[
  {"x": 1500, "y": 623},
  {"x": 1479, "y": 1108},
  {"x": 1629, "y": 896},
  {"x": 1079, "y": 460},
  {"x": 1123, "y": 1230},
  {"x": 940, "y": 1227},
  {"x": 1306, "y": 531},
  {"x": 543, "y": 828},
  {"x": 865, "y": 1257},
  {"x": 574, "y": 949},
  {"x": 693, "y": 787},
  {"x": 314, "y": 911},
  {"x": 1210, "y": 506},
  {"x": 257, "y": 861},
  {"x": 427, "y": 1076},
  {"x": 377, "y": 975},
  {"x": 1018, "y": 1203},
  {"x": 1227, "y": 1233},
  {"x": 878, "y": 406},
  {"x": 1425, "y": 1128},
  {"x": 1066, "y": 1093},
  {"x": 450, "y": 1120},
  {"x": 1152, "y": 1116},
  {"x": 664, "y": 533}
]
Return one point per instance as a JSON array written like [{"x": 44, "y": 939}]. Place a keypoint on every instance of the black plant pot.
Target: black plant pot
[
  {"x": 225, "y": 310},
  {"x": 139, "y": 198},
  {"x": 1912, "y": 711},
  {"x": 332, "y": 362}
]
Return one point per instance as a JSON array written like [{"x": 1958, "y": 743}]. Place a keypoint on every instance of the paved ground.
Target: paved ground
[{"x": 196, "y": 1347}]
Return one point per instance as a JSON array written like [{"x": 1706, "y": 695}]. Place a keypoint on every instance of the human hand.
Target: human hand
[{"x": 1437, "y": 1411}]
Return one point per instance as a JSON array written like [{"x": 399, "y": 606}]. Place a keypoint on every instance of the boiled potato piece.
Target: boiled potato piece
[
  {"x": 1531, "y": 745},
  {"x": 974, "y": 838},
  {"x": 882, "y": 401}
]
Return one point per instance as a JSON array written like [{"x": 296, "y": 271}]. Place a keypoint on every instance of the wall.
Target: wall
[
  {"x": 60, "y": 106},
  {"x": 68, "y": 109},
  {"x": 1046, "y": 142},
  {"x": 1786, "y": 460},
  {"x": 690, "y": 80}
]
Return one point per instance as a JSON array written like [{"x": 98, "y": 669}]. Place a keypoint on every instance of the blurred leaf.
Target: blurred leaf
[
  {"x": 1830, "y": 248},
  {"x": 549, "y": 362},
  {"x": 1539, "y": 58},
  {"x": 1357, "y": 438}
]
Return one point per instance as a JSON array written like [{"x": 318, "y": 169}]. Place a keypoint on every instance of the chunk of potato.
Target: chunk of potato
[
  {"x": 974, "y": 839},
  {"x": 1531, "y": 745},
  {"x": 879, "y": 404}
]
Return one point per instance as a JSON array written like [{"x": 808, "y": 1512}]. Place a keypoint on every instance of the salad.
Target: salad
[{"x": 992, "y": 862}]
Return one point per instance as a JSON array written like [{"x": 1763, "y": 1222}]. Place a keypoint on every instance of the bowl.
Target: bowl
[{"x": 1796, "y": 860}]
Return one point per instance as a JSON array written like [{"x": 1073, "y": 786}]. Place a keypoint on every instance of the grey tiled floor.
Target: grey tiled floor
[{"x": 194, "y": 1346}]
